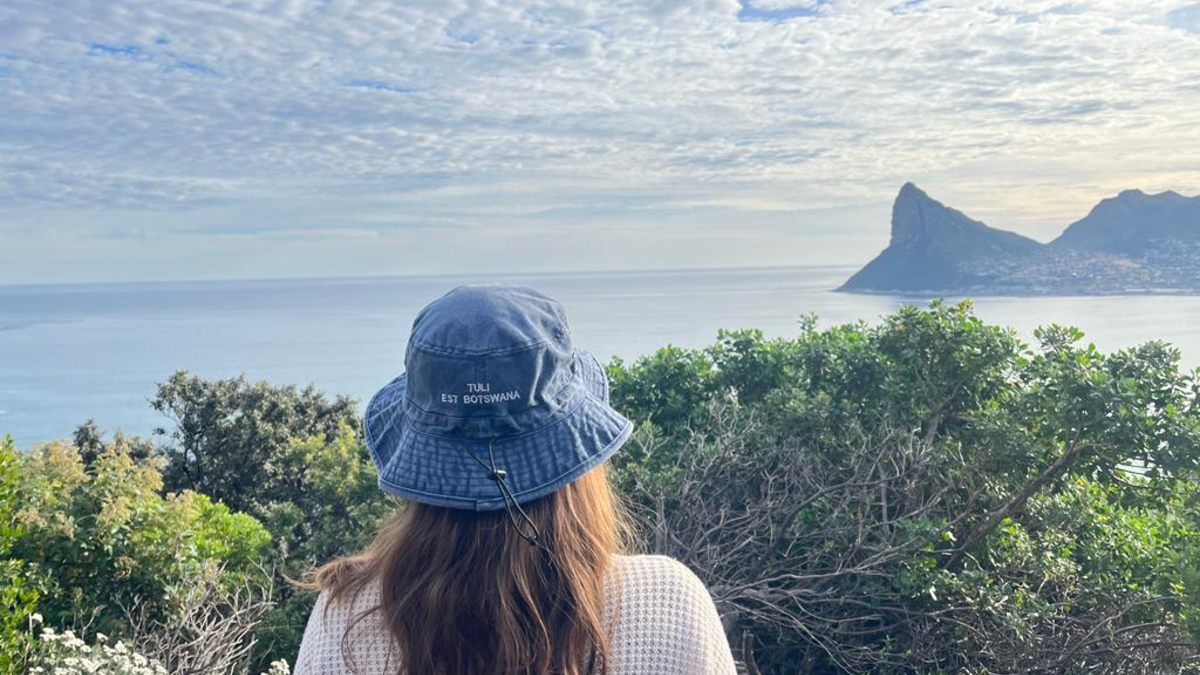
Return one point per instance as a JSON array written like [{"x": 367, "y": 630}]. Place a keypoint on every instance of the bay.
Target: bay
[{"x": 69, "y": 352}]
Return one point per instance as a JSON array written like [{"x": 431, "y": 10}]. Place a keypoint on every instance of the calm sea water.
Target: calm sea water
[{"x": 70, "y": 352}]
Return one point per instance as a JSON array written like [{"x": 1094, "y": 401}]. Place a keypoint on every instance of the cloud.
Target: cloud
[{"x": 303, "y": 116}]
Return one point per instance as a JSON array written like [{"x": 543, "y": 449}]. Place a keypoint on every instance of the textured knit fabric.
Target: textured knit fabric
[{"x": 659, "y": 617}]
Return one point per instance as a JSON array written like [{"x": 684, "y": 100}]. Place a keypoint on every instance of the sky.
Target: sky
[{"x": 188, "y": 139}]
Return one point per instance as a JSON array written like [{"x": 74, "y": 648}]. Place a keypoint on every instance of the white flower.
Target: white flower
[
  {"x": 35, "y": 618},
  {"x": 70, "y": 655}
]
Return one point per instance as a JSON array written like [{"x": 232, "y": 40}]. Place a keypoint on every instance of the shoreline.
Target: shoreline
[{"x": 977, "y": 292}]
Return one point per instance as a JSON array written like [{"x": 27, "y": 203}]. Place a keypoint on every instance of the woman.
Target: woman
[{"x": 506, "y": 557}]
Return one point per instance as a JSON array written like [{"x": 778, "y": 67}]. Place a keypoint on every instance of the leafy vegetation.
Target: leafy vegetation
[
  {"x": 17, "y": 597},
  {"x": 227, "y": 436},
  {"x": 104, "y": 539},
  {"x": 66, "y": 654},
  {"x": 336, "y": 509},
  {"x": 926, "y": 494},
  {"x": 289, "y": 457}
]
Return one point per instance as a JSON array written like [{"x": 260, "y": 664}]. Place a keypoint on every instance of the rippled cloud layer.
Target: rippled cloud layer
[{"x": 181, "y": 138}]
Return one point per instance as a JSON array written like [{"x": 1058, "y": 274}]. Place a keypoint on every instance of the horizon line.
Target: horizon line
[{"x": 365, "y": 277}]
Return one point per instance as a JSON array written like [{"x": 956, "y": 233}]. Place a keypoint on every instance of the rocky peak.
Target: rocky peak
[
  {"x": 1132, "y": 221},
  {"x": 911, "y": 214}
]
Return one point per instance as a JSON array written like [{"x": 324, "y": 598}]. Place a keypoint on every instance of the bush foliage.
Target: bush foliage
[
  {"x": 925, "y": 494},
  {"x": 17, "y": 596},
  {"x": 105, "y": 538}
]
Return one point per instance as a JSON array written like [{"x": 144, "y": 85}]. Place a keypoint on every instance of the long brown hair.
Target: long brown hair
[{"x": 461, "y": 593}]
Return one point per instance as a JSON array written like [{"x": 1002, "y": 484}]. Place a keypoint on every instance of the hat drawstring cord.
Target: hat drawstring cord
[{"x": 498, "y": 475}]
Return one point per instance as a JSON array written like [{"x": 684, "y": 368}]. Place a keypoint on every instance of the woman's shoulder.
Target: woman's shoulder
[
  {"x": 655, "y": 573},
  {"x": 663, "y": 619},
  {"x": 656, "y": 589},
  {"x": 353, "y": 605},
  {"x": 348, "y": 626}
]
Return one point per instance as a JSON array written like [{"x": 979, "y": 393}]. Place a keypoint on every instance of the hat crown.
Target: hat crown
[
  {"x": 491, "y": 378},
  {"x": 485, "y": 361},
  {"x": 483, "y": 319}
]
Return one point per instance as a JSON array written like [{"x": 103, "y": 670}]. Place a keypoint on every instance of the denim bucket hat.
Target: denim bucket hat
[{"x": 495, "y": 404}]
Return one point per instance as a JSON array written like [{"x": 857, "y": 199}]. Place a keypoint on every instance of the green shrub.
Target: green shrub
[
  {"x": 334, "y": 508},
  {"x": 104, "y": 540},
  {"x": 17, "y": 597},
  {"x": 230, "y": 437},
  {"x": 927, "y": 494}
]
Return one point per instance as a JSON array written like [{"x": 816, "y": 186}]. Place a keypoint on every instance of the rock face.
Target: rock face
[
  {"x": 1134, "y": 222},
  {"x": 934, "y": 246},
  {"x": 1133, "y": 242}
]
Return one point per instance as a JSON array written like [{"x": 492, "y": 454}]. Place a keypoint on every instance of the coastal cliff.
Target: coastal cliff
[{"x": 1134, "y": 242}]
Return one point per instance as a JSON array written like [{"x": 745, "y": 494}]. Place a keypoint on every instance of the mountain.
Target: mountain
[
  {"x": 1134, "y": 242},
  {"x": 1133, "y": 222},
  {"x": 934, "y": 246}
]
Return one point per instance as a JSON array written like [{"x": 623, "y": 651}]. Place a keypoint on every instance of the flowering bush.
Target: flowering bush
[
  {"x": 279, "y": 667},
  {"x": 65, "y": 654}
]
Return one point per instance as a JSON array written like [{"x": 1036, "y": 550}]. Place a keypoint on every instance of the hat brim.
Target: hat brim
[{"x": 440, "y": 470}]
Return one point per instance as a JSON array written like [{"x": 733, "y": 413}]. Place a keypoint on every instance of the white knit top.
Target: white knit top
[{"x": 659, "y": 617}]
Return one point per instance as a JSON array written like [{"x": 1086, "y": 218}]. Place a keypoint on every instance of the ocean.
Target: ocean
[{"x": 70, "y": 352}]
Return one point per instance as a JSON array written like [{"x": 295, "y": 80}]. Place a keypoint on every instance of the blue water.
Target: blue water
[{"x": 74, "y": 351}]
